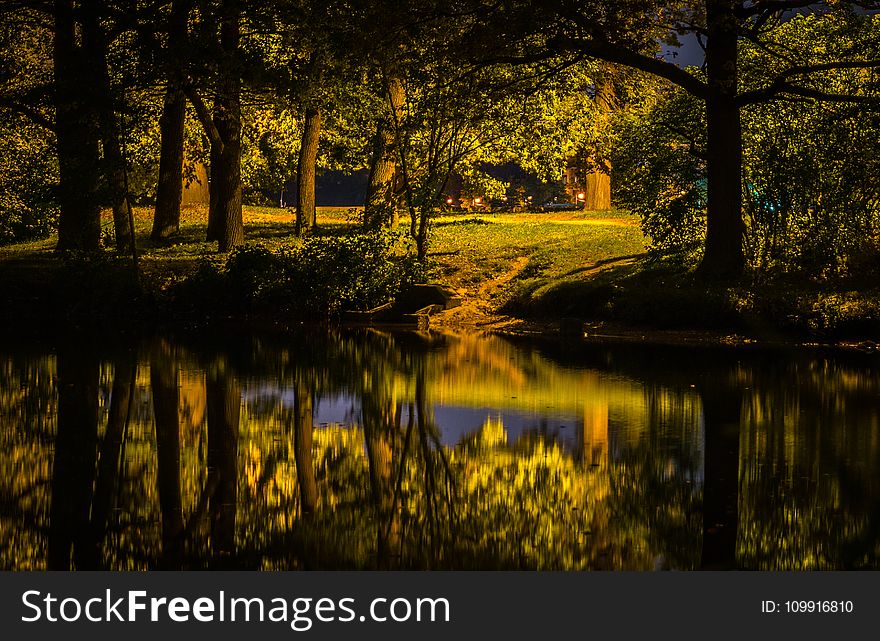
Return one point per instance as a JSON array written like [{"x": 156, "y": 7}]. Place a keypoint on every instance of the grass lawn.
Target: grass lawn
[
  {"x": 507, "y": 268},
  {"x": 482, "y": 256}
]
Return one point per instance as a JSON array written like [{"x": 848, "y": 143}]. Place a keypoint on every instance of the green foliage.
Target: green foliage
[
  {"x": 28, "y": 172},
  {"x": 316, "y": 279},
  {"x": 812, "y": 170},
  {"x": 28, "y": 167},
  {"x": 657, "y": 174},
  {"x": 811, "y": 190}
]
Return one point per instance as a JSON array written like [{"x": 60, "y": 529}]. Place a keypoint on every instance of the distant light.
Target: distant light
[
  {"x": 530, "y": 197},
  {"x": 449, "y": 201},
  {"x": 582, "y": 196},
  {"x": 478, "y": 200}
]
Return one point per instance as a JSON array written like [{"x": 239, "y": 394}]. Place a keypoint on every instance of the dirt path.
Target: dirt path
[{"x": 478, "y": 307}]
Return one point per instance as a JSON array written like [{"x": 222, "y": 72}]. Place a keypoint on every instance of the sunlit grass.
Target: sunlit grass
[{"x": 466, "y": 249}]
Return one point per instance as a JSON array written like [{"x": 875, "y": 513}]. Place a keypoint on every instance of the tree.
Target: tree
[
  {"x": 306, "y": 219},
  {"x": 383, "y": 192},
  {"x": 810, "y": 204},
  {"x": 169, "y": 188},
  {"x": 628, "y": 34},
  {"x": 77, "y": 127}
]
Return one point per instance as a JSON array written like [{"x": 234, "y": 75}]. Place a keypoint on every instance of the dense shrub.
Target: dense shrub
[
  {"x": 318, "y": 278},
  {"x": 28, "y": 173}
]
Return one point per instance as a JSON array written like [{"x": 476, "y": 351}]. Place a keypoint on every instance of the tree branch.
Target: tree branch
[
  {"x": 609, "y": 52},
  {"x": 30, "y": 113},
  {"x": 781, "y": 83},
  {"x": 205, "y": 118}
]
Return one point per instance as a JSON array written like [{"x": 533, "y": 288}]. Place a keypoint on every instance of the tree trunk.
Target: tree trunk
[
  {"x": 597, "y": 186},
  {"x": 215, "y": 220},
  {"x": 381, "y": 207},
  {"x": 723, "y": 257},
  {"x": 306, "y": 218},
  {"x": 303, "y": 427},
  {"x": 77, "y": 130},
  {"x": 226, "y": 214},
  {"x": 597, "y": 190},
  {"x": 227, "y": 181},
  {"x": 95, "y": 45},
  {"x": 169, "y": 189}
]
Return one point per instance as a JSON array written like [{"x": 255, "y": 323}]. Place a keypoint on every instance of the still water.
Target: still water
[{"x": 437, "y": 451}]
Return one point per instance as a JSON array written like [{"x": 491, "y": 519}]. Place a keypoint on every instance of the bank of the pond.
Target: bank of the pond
[{"x": 569, "y": 273}]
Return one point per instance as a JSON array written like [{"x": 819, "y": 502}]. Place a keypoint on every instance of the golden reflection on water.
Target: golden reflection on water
[{"x": 178, "y": 455}]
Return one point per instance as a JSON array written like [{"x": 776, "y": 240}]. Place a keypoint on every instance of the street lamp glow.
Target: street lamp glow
[{"x": 582, "y": 196}]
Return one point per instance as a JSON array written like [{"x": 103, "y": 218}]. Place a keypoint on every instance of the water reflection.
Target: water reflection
[{"x": 372, "y": 450}]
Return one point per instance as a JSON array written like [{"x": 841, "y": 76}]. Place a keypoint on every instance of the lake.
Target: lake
[{"x": 364, "y": 450}]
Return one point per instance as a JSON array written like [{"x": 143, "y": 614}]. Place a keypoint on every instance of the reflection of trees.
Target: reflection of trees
[
  {"x": 809, "y": 479},
  {"x": 304, "y": 426},
  {"x": 109, "y": 456},
  {"x": 260, "y": 485},
  {"x": 164, "y": 385},
  {"x": 722, "y": 404},
  {"x": 223, "y": 396},
  {"x": 73, "y": 473}
]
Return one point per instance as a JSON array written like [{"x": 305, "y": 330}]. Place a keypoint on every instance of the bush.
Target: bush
[{"x": 316, "y": 279}]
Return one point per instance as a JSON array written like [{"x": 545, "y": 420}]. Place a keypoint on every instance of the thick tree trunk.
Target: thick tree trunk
[
  {"x": 725, "y": 230},
  {"x": 118, "y": 185},
  {"x": 215, "y": 220},
  {"x": 169, "y": 189},
  {"x": 597, "y": 186},
  {"x": 226, "y": 183},
  {"x": 306, "y": 218},
  {"x": 597, "y": 190},
  {"x": 95, "y": 45},
  {"x": 303, "y": 427},
  {"x": 381, "y": 207},
  {"x": 225, "y": 218},
  {"x": 78, "y": 135}
]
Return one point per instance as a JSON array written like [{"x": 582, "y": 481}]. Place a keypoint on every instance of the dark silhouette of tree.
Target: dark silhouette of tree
[
  {"x": 169, "y": 188},
  {"x": 77, "y": 127}
]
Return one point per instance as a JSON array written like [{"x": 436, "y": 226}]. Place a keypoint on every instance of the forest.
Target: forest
[
  {"x": 705, "y": 164},
  {"x": 439, "y": 284}
]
